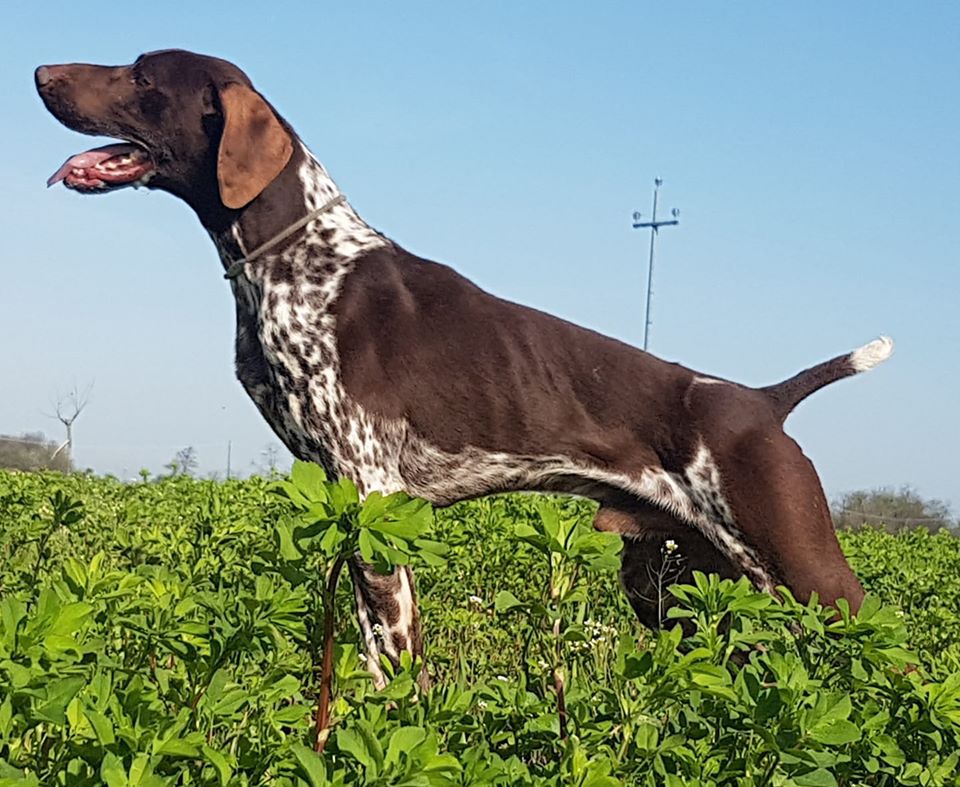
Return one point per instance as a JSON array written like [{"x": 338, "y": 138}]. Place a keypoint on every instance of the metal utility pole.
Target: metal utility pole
[{"x": 654, "y": 226}]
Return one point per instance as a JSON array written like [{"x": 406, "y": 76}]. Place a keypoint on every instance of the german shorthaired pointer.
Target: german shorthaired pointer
[{"x": 400, "y": 374}]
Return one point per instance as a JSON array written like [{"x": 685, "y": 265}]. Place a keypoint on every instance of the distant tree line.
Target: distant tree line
[
  {"x": 32, "y": 451},
  {"x": 892, "y": 510}
]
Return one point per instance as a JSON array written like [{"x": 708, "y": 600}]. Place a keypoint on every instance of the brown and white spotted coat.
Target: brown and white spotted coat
[
  {"x": 288, "y": 362},
  {"x": 400, "y": 374}
]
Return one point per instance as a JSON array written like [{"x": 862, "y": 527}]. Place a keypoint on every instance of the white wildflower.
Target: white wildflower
[
  {"x": 363, "y": 657},
  {"x": 476, "y": 600},
  {"x": 670, "y": 545},
  {"x": 504, "y": 678}
]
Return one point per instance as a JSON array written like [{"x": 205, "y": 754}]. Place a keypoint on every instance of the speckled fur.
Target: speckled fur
[
  {"x": 286, "y": 354},
  {"x": 286, "y": 359}
]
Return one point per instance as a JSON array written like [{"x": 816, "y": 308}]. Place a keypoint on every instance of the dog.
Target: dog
[{"x": 400, "y": 374}]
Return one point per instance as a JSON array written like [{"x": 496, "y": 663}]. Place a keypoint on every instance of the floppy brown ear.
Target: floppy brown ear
[{"x": 254, "y": 148}]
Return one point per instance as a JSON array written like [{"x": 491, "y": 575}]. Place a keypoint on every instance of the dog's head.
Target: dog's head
[{"x": 190, "y": 124}]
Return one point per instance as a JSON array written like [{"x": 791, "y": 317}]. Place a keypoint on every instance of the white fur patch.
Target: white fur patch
[
  {"x": 404, "y": 599},
  {"x": 708, "y": 381},
  {"x": 693, "y": 497},
  {"x": 719, "y": 526},
  {"x": 872, "y": 354},
  {"x": 352, "y": 236}
]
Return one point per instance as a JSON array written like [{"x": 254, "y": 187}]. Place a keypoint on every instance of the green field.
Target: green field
[{"x": 168, "y": 633}]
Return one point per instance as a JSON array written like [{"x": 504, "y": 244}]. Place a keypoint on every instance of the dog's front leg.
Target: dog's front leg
[{"x": 388, "y": 615}]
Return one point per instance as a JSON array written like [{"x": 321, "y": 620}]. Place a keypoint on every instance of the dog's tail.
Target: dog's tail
[{"x": 788, "y": 394}]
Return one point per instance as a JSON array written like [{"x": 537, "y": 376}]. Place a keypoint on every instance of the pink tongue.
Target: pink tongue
[{"x": 90, "y": 158}]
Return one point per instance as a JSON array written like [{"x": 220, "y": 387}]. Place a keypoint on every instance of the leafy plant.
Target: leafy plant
[
  {"x": 330, "y": 526},
  {"x": 572, "y": 549},
  {"x": 172, "y": 633}
]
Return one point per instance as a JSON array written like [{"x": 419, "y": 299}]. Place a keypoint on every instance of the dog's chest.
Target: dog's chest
[{"x": 287, "y": 360}]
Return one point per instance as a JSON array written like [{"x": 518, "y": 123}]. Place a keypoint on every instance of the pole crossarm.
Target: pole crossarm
[{"x": 656, "y": 224}]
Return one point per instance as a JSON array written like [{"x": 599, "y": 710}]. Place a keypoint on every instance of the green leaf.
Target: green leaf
[
  {"x": 331, "y": 539},
  {"x": 311, "y": 764},
  {"x": 102, "y": 727},
  {"x": 11, "y": 613},
  {"x": 574, "y": 633},
  {"x": 609, "y": 781},
  {"x": 6, "y": 716},
  {"x": 287, "y": 543},
  {"x": 835, "y": 732},
  {"x": 533, "y": 537},
  {"x": 820, "y": 777},
  {"x": 506, "y": 601},
  {"x": 218, "y": 761},
  {"x": 140, "y": 770},
  {"x": 112, "y": 771},
  {"x": 58, "y": 696},
  {"x": 647, "y": 737},
  {"x": 371, "y": 739},
  {"x": 432, "y": 559},
  {"x": 374, "y": 507},
  {"x": 71, "y": 619},
  {"x": 403, "y": 740},
  {"x": 351, "y": 743},
  {"x": 366, "y": 545},
  {"x": 433, "y": 547},
  {"x": 947, "y": 767},
  {"x": 404, "y": 529},
  {"x": 828, "y": 723},
  {"x": 176, "y": 747},
  {"x": 291, "y": 492},
  {"x": 310, "y": 480},
  {"x": 344, "y": 494}
]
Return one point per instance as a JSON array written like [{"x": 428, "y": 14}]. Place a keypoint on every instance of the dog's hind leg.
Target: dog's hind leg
[
  {"x": 781, "y": 513},
  {"x": 754, "y": 494}
]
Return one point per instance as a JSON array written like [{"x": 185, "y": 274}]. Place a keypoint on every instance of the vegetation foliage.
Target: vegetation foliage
[{"x": 171, "y": 633}]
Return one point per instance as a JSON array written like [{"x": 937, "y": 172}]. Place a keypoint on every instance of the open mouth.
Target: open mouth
[{"x": 104, "y": 168}]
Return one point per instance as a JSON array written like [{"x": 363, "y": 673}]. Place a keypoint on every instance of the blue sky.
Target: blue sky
[{"x": 811, "y": 148}]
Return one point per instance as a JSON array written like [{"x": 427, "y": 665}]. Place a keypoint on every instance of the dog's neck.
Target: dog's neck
[{"x": 336, "y": 236}]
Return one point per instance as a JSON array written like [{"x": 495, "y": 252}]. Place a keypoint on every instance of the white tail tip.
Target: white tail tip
[{"x": 872, "y": 354}]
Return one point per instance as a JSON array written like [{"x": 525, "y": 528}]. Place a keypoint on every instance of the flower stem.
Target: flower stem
[{"x": 326, "y": 670}]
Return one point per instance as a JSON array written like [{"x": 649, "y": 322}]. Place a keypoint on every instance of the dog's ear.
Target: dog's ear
[{"x": 254, "y": 147}]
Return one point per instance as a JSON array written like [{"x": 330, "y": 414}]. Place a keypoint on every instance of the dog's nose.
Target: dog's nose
[{"x": 44, "y": 75}]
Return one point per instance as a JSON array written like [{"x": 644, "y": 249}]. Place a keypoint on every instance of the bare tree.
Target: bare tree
[
  {"x": 184, "y": 462},
  {"x": 67, "y": 409}
]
